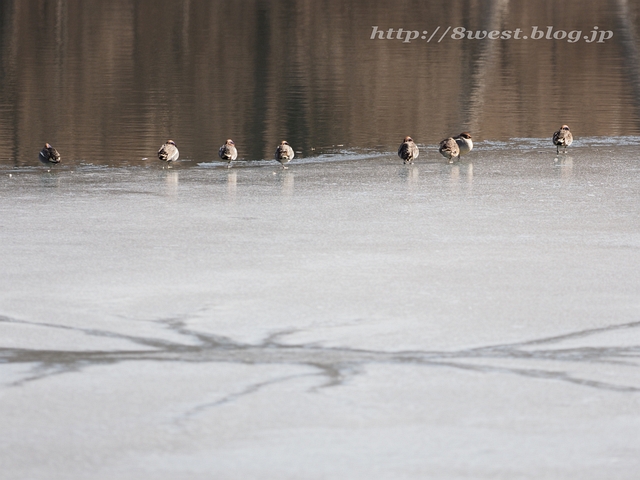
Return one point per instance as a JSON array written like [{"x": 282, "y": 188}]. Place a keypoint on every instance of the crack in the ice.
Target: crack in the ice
[
  {"x": 335, "y": 364},
  {"x": 544, "y": 374},
  {"x": 250, "y": 389}
]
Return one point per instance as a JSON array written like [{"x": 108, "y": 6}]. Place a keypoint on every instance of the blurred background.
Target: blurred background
[{"x": 109, "y": 82}]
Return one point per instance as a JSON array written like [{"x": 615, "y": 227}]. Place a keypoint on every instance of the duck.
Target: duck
[
  {"x": 562, "y": 138},
  {"x": 408, "y": 151},
  {"x": 228, "y": 152},
  {"x": 49, "y": 155},
  {"x": 284, "y": 153},
  {"x": 168, "y": 152},
  {"x": 449, "y": 149},
  {"x": 465, "y": 144}
]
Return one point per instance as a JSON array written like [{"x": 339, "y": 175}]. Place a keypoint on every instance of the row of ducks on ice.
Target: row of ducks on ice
[{"x": 451, "y": 148}]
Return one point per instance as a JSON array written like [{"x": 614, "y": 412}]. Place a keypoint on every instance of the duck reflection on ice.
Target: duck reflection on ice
[
  {"x": 232, "y": 184},
  {"x": 287, "y": 183},
  {"x": 171, "y": 181},
  {"x": 564, "y": 165},
  {"x": 410, "y": 174},
  {"x": 461, "y": 173}
]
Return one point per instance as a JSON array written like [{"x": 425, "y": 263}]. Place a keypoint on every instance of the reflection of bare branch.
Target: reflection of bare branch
[
  {"x": 629, "y": 44},
  {"x": 472, "y": 109},
  {"x": 335, "y": 364}
]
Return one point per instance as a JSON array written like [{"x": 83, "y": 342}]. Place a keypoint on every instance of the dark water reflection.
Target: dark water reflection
[{"x": 109, "y": 82}]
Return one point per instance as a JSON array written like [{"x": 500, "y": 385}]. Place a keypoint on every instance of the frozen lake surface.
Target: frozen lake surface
[{"x": 350, "y": 317}]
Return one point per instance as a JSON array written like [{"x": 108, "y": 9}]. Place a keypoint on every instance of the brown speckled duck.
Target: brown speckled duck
[
  {"x": 449, "y": 149},
  {"x": 284, "y": 153},
  {"x": 562, "y": 138},
  {"x": 49, "y": 155},
  {"x": 228, "y": 152},
  {"x": 168, "y": 152},
  {"x": 408, "y": 151}
]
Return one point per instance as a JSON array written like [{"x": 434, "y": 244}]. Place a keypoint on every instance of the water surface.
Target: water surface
[{"x": 109, "y": 83}]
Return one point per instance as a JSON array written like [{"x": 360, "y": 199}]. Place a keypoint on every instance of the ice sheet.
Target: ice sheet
[{"x": 350, "y": 317}]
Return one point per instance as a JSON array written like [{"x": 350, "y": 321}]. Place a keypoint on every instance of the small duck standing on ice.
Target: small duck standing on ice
[
  {"x": 168, "y": 152},
  {"x": 228, "y": 152},
  {"x": 284, "y": 153},
  {"x": 408, "y": 151},
  {"x": 465, "y": 144},
  {"x": 562, "y": 138},
  {"x": 449, "y": 149}
]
